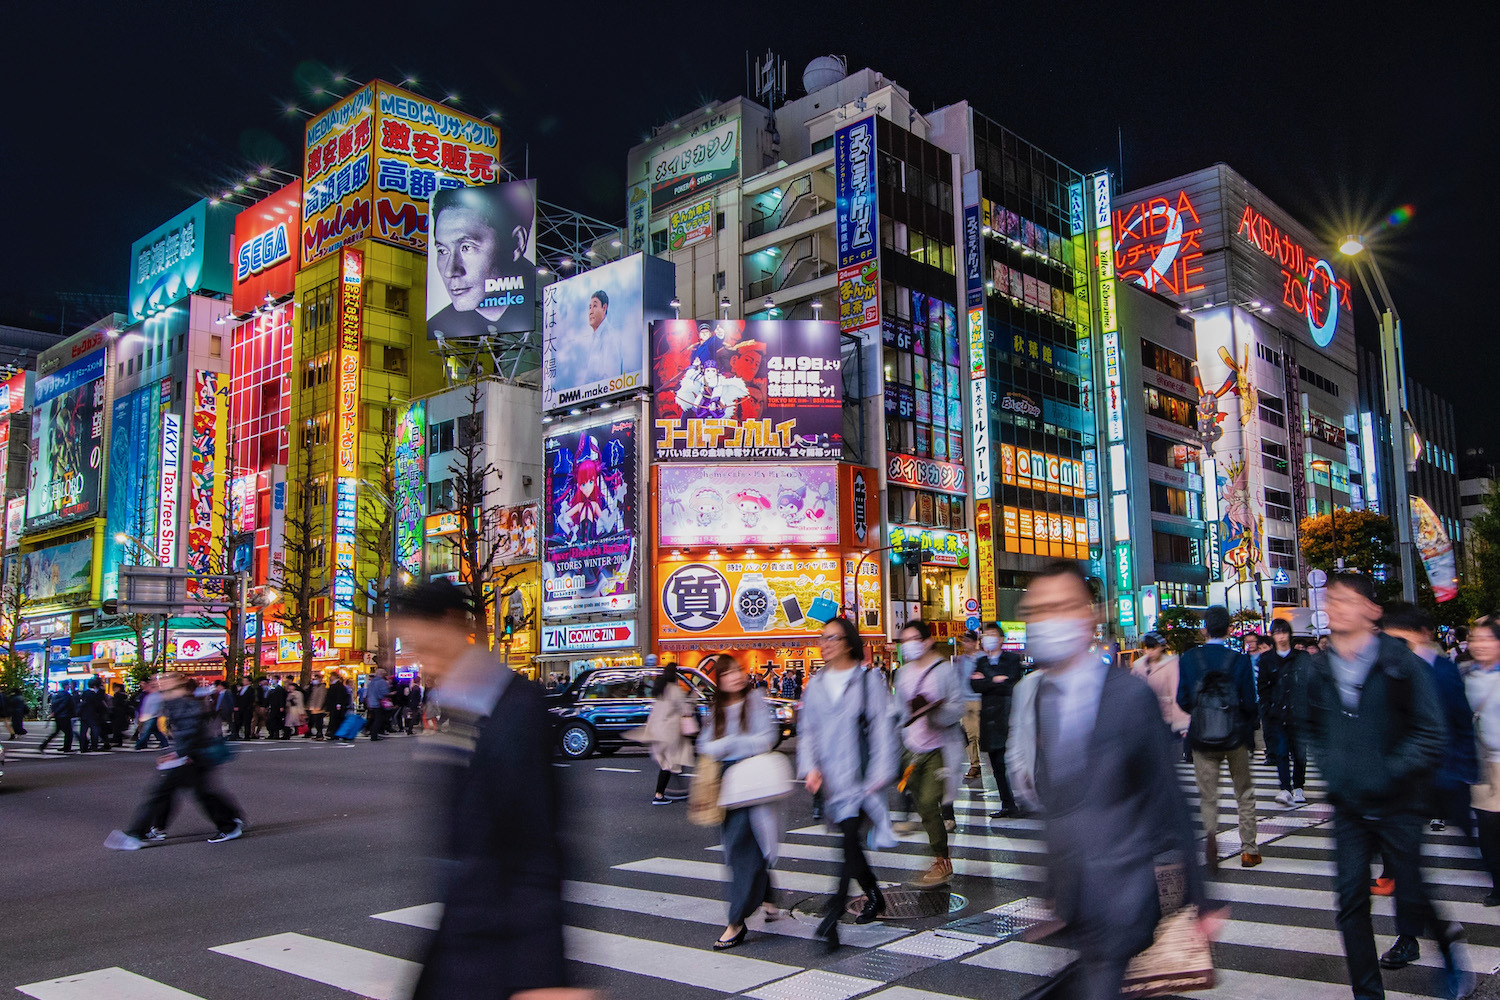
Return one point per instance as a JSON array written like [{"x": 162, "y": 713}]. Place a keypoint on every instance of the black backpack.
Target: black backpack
[{"x": 1215, "y": 720}]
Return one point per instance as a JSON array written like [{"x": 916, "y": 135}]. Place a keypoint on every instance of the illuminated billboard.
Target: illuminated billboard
[
  {"x": 373, "y": 161},
  {"x": 594, "y": 329},
  {"x": 743, "y": 390},
  {"x": 186, "y": 254},
  {"x": 67, "y": 443},
  {"x": 410, "y": 485},
  {"x": 207, "y": 466},
  {"x": 516, "y": 535},
  {"x": 686, "y": 170},
  {"x": 749, "y": 504},
  {"x": 58, "y": 575},
  {"x": 723, "y": 600},
  {"x": 857, "y": 226},
  {"x": 265, "y": 249},
  {"x": 690, "y": 224},
  {"x": 134, "y": 485},
  {"x": 591, "y": 547},
  {"x": 481, "y": 260}
]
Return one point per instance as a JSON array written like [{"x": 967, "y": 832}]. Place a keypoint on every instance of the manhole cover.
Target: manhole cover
[{"x": 915, "y": 904}]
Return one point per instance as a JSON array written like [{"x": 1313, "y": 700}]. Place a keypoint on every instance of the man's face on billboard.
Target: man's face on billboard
[
  {"x": 467, "y": 251},
  {"x": 597, "y": 310}
]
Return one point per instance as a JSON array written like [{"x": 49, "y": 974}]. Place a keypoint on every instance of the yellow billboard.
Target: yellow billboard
[{"x": 372, "y": 161}]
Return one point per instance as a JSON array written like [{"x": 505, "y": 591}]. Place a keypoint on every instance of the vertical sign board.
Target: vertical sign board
[
  {"x": 978, "y": 374},
  {"x": 984, "y": 527},
  {"x": 347, "y": 438},
  {"x": 171, "y": 457},
  {"x": 1109, "y": 323},
  {"x": 410, "y": 486},
  {"x": 857, "y": 226}
]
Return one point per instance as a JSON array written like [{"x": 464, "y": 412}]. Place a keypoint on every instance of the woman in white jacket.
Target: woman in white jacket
[{"x": 1482, "y": 685}]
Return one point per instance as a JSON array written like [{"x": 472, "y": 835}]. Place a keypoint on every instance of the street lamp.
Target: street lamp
[
  {"x": 1326, "y": 467},
  {"x": 1393, "y": 372}
]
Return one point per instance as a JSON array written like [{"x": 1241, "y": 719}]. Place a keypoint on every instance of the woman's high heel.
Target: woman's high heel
[
  {"x": 724, "y": 944},
  {"x": 874, "y": 907}
]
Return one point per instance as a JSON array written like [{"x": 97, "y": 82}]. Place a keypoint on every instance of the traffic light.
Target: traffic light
[
  {"x": 909, "y": 553},
  {"x": 509, "y": 628}
]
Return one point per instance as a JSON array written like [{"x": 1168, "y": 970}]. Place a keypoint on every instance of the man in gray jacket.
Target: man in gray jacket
[{"x": 931, "y": 707}]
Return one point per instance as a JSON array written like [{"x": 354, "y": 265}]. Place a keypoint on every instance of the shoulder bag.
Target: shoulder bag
[
  {"x": 755, "y": 781},
  {"x": 863, "y": 724},
  {"x": 703, "y": 794}
]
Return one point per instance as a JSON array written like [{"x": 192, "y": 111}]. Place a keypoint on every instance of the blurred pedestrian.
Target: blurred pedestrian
[
  {"x": 296, "y": 713},
  {"x": 1157, "y": 666},
  {"x": 1216, "y": 688},
  {"x": 338, "y": 705},
  {"x": 149, "y": 720},
  {"x": 1085, "y": 748},
  {"x": 416, "y": 700},
  {"x": 316, "y": 706},
  {"x": 120, "y": 713},
  {"x": 377, "y": 700},
  {"x": 224, "y": 707},
  {"x": 276, "y": 698},
  {"x": 92, "y": 717},
  {"x": 16, "y": 705},
  {"x": 846, "y": 753},
  {"x": 670, "y": 730},
  {"x": 185, "y": 765},
  {"x": 500, "y": 934},
  {"x": 741, "y": 726},
  {"x": 1279, "y": 688},
  {"x": 996, "y": 673},
  {"x": 62, "y": 707},
  {"x": 963, "y": 663},
  {"x": 1483, "y": 685},
  {"x": 1376, "y": 728},
  {"x": 931, "y": 707},
  {"x": 244, "y": 710}
]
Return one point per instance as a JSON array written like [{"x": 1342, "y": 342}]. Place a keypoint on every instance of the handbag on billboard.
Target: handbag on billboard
[{"x": 753, "y": 781}]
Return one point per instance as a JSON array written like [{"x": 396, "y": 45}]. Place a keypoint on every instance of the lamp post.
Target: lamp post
[
  {"x": 1326, "y": 467},
  {"x": 1393, "y": 372}
]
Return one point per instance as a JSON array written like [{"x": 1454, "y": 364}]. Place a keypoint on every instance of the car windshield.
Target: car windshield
[{"x": 635, "y": 684}]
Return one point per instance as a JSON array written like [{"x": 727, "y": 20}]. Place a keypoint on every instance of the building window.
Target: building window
[
  {"x": 1168, "y": 500},
  {"x": 440, "y": 495},
  {"x": 215, "y": 347},
  {"x": 1171, "y": 548},
  {"x": 1308, "y": 375},
  {"x": 440, "y": 437},
  {"x": 1169, "y": 407},
  {"x": 1279, "y": 505},
  {"x": 397, "y": 300},
  {"x": 659, "y": 242},
  {"x": 1170, "y": 363},
  {"x": 1266, "y": 354},
  {"x": 395, "y": 358}
]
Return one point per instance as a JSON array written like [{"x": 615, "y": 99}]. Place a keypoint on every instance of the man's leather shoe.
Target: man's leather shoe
[
  {"x": 1211, "y": 851},
  {"x": 1248, "y": 860},
  {"x": 1404, "y": 952}
]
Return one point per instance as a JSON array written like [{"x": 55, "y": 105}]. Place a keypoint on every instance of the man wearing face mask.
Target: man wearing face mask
[
  {"x": 932, "y": 711},
  {"x": 994, "y": 678},
  {"x": 1086, "y": 748}
]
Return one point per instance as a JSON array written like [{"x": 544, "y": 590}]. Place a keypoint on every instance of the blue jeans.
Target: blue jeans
[
  {"x": 1287, "y": 751},
  {"x": 151, "y": 727}
]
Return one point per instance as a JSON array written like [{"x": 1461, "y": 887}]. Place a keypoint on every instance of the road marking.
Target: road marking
[
  {"x": 1232, "y": 985},
  {"x": 367, "y": 973},
  {"x": 1023, "y": 956},
  {"x": 425, "y": 916},
  {"x": 910, "y": 993},
  {"x": 815, "y": 984},
  {"x": 939, "y": 944},
  {"x": 112, "y": 984},
  {"x": 690, "y": 966},
  {"x": 620, "y": 770},
  {"x": 699, "y": 910},
  {"x": 914, "y": 862},
  {"x": 714, "y": 872},
  {"x": 1326, "y": 941}
]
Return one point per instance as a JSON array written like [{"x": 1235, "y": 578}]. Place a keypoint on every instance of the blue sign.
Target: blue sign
[
  {"x": 80, "y": 372},
  {"x": 854, "y": 193},
  {"x": 972, "y": 623},
  {"x": 188, "y": 253}
]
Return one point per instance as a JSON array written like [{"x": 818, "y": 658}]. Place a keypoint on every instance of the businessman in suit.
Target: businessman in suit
[
  {"x": 501, "y": 929},
  {"x": 1088, "y": 748}
]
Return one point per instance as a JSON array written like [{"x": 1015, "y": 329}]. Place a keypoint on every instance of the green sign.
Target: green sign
[{"x": 187, "y": 254}]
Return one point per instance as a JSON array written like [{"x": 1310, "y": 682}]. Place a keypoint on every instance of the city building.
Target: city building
[
  {"x": 1276, "y": 361},
  {"x": 1476, "y": 481}
]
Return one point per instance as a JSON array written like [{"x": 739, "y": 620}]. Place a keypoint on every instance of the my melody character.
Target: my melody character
[
  {"x": 752, "y": 503},
  {"x": 800, "y": 505},
  {"x": 589, "y": 505},
  {"x": 707, "y": 505}
]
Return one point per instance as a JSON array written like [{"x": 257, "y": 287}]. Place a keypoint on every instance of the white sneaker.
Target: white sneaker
[
  {"x": 155, "y": 834},
  {"x": 119, "y": 840},
  {"x": 1298, "y": 797},
  {"x": 238, "y": 831},
  {"x": 1285, "y": 798}
]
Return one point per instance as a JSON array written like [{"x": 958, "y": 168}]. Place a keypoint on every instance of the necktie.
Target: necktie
[{"x": 1049, "y": 713}]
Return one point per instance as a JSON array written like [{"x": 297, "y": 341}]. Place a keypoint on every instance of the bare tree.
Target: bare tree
[
  {"x": 376, "y": 535},
  {"x": 14, "y": 671},
  {"x": 477, "y": 542},
  {"x": 303, "y": 578}
]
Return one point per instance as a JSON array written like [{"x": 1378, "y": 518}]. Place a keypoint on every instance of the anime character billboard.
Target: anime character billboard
[{"x": 591, "y": 549}]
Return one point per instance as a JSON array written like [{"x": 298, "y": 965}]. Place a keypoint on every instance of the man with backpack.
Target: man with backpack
[
  {"x": 63, "y": 707},
  {"x": 1216, "y": 687}
]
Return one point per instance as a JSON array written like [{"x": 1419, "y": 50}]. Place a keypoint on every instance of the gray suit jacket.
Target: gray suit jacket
[{"x": 1106, "y": 829}]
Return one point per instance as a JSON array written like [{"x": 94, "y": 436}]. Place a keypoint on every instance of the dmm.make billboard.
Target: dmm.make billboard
[
  {"x": 747, "y": 504},
  {"x": 594, "y": 329},
  {"x": 67, "y": 443},
  {"x": 481, "y": 261},
  {"x": 591, "y": 546},
  {"x": 265, "y": 248},
  {"x": 188, "y": 253},
  {"x": 857, "y": 225},
  {"x": 742, "y": 390},
  {"x": 373, "y": 161}
]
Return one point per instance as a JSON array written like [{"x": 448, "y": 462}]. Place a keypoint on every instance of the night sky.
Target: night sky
[{"x": 122, "y": 114}]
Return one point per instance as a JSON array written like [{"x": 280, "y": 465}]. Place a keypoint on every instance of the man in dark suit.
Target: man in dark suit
[
  {"x": 1087, "y": 746},
  {"x": 1216, "y": 688},
  {"x": 996, "y": 672},
  {"x": 93, "y": 714},
  {"x": 244, "y": 710},
  {"x": 501, "y": 929},
  {"x": 275, "y": 710}
]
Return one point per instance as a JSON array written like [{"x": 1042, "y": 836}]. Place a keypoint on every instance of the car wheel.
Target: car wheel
[{"x": 577, "y": 741}]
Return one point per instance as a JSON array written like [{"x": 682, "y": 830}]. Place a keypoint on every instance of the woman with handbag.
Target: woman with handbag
[
  {"x": 1483, "y": 687},
  {"x": 670, "y": 730},
  {"x": 296, "y": 713},
  {"x": 846, "y": 749},
  {"x": 742, "y": 727}
]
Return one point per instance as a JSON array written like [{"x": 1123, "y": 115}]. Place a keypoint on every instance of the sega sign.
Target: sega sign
[{"x": 264, "y": 264}]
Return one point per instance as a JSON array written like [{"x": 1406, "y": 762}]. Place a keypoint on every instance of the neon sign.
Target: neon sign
[
  {"x": 1165, "y": 245},
  {"x": 1308, "y": 284}
]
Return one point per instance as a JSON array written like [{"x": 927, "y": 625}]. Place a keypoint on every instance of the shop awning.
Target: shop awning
[{"x": 108, "y": 632}]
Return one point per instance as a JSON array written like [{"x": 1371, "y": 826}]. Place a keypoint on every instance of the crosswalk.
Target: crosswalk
[
  {"x": 29, "y": 746},
  {"x": 644, "y": 926}
]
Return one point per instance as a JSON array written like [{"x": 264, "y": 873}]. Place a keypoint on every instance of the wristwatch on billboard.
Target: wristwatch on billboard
[{"x": 754, "y": 602}]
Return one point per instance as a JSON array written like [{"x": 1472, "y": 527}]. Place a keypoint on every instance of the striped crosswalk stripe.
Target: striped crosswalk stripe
[
  {"x": 113, "y": 983},
  {"x": 367, "y": 973}
]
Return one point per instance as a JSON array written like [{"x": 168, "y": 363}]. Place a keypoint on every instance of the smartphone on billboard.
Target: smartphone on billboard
[{"x": 792, "y": 608}]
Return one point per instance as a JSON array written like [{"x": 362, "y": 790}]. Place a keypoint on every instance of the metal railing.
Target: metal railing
[
  {"x": 802, "y": 262},
  {"x": 799, "y": 192}
]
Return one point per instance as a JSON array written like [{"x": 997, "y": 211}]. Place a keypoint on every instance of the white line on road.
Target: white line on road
[
  {"x": 112, "y": 984},
  {"x": 690, "y": 966},
  {"x": 425, "y": 916},
  {"x": 713, "y": 872},
  {"x": 367, "y": 973},
  {"x": 620, "y": 770}
]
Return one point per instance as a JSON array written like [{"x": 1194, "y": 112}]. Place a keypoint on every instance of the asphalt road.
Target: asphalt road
[{"x": 327, "y": 895}]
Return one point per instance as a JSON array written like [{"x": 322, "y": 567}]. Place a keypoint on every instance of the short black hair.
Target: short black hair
[
  {"x": 920, "y": 627},
  {"x": 1490, "y": 623},
  {"x": 1362, "y": 585},
  {"x": 1151, "y": 641},
  {"x": 1281, "y": 625},
  {"x": 1216, "y": 621},
  {"x": 603, "y": 298},
  {"x": 1065, "y": 567},
  {"x": 434, "y": 599},
  {"x": 1407, "y": 617},
  {"x": 852, "y": 638},
  {"x": 501, "y": 206},
  {"x": 993, "y": 627}
]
